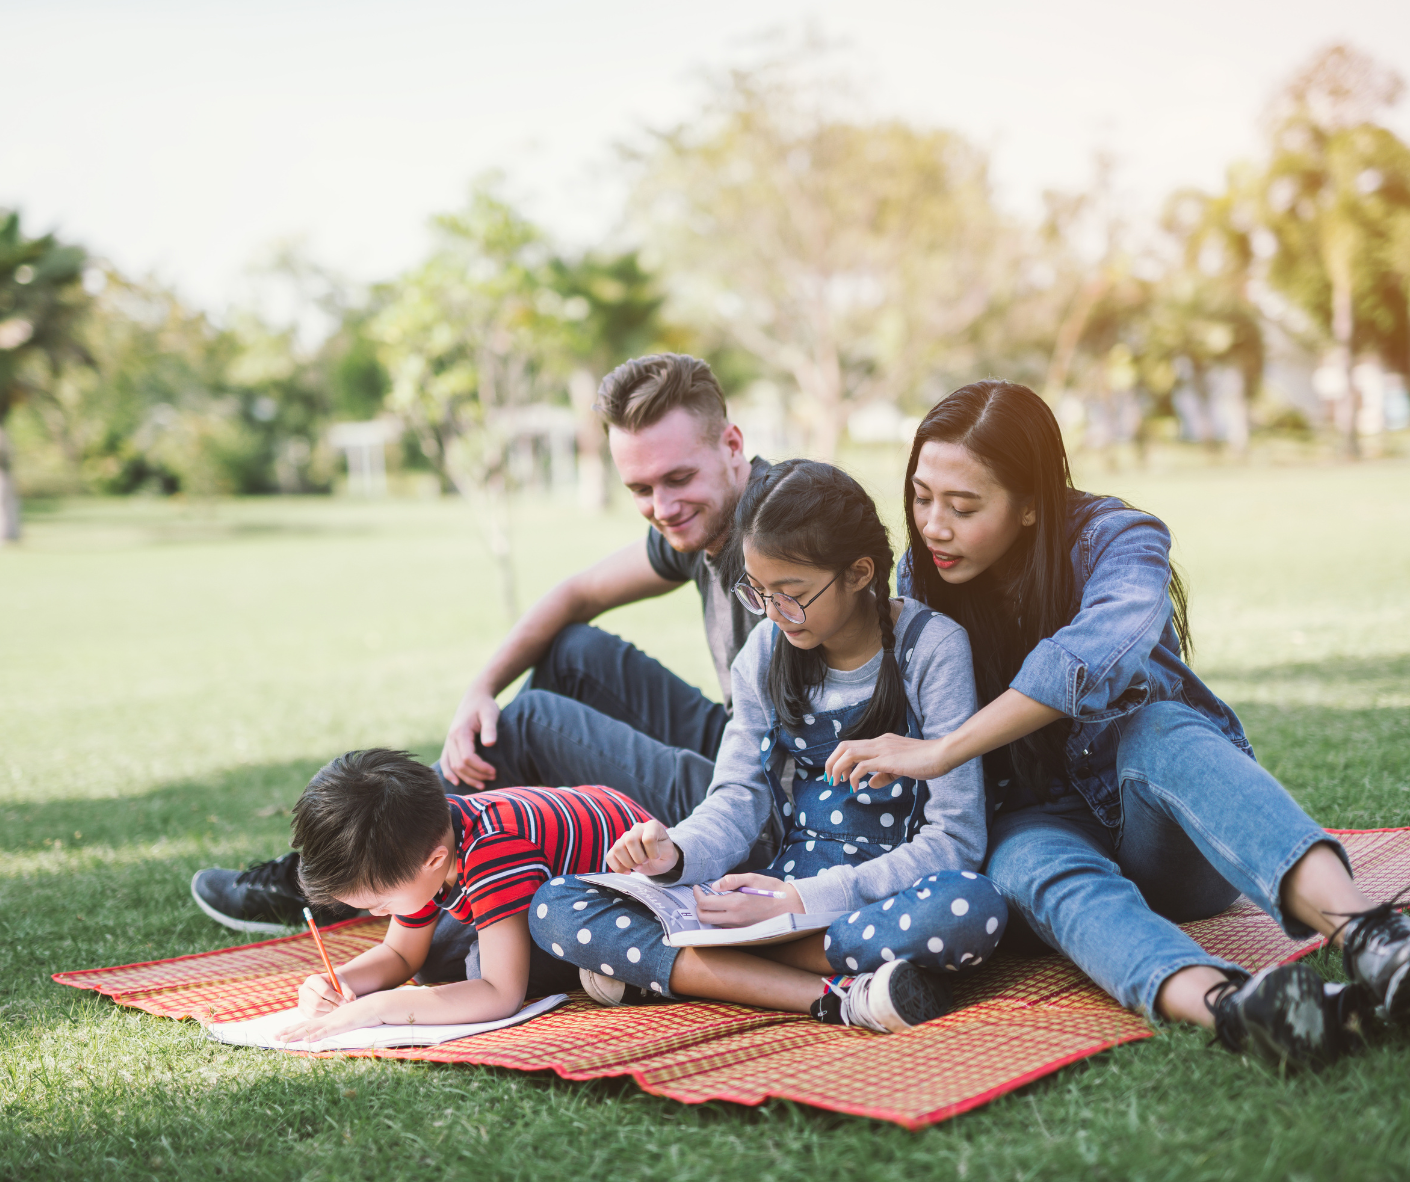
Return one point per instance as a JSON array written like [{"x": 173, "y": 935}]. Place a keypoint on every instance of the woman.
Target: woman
[{"x": 1126, "y": 796}]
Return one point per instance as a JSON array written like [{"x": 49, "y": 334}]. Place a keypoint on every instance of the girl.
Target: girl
[
  {"x": 1126, "y": 797},
  {"x": 900, "y": 864}
]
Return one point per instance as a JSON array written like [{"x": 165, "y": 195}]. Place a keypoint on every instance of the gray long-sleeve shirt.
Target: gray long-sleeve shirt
[{"x": 940, "y": 687}]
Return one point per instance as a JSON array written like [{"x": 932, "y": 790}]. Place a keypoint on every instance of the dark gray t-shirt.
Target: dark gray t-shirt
[{"x": 727, "y": 623}]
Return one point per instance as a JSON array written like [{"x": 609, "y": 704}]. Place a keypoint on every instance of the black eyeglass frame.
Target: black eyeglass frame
[{"x": 744, "y": 587}]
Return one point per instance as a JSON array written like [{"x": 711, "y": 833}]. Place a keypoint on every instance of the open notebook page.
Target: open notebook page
[{"x": 261, "y": 1031}]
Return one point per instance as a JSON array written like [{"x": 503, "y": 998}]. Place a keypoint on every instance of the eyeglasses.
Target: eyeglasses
[{"x": 789, "y": 608}]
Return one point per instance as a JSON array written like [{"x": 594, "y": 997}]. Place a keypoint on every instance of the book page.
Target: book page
[
  {"x": 674, "y": 906},
  {"x": 263, "y": 1031}
]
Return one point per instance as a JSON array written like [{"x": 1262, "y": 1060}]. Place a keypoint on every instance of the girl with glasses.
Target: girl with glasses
[{"x": 838, "y": 658}]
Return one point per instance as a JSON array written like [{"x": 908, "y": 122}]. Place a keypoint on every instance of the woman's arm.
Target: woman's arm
[
  {"x": 1008, "y": 717},
  {"x": 504, "y": 965}
]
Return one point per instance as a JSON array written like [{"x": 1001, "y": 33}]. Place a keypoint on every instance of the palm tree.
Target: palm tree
[{"x": 41, "y": 298}]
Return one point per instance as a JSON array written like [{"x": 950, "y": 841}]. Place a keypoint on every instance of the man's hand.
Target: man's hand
[
  {"x": 886, "y": 758},
  {"x": 647, "y": 847},
  {"x": 733, "y": 910},
  {"x": 318, "y": 996},
  {"x": 478, "y": 714}
]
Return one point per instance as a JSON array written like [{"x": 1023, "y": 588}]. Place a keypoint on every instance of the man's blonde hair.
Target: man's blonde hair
[{"x": 641, "y": 392}]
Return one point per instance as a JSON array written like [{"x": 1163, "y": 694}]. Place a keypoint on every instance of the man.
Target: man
[{"x": 595, "y": 710}]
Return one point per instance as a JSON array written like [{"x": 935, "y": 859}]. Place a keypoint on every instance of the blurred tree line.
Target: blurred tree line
[{"x": 853, "y": 263}]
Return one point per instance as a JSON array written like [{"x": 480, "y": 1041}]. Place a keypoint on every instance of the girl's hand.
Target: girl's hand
[
  {"x": 647, "y": 847},
  {"x": 318, "y": 995},
  {"x": 736, "y": 910},
  {"x": 886, "y": 758},
  {"x": 345, "y": 1017}
]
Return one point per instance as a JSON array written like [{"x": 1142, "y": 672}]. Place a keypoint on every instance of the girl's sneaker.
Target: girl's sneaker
[
  {"x": 896, "y": 997},
  {"x": 1376, "y": 954},
  {"x": 1286, "y": 1015},
  {"x": 608, "y": 991}
]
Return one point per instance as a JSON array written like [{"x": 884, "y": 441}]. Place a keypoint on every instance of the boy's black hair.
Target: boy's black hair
[{"x": 367, "y": 821}]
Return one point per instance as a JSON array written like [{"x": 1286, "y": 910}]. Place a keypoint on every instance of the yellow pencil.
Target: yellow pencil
[{"x": 323, "y": 952}]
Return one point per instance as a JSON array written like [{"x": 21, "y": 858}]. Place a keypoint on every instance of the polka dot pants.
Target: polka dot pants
[
  {"x": 598, "y": 929},
  {"x": 951, "y": 920}
]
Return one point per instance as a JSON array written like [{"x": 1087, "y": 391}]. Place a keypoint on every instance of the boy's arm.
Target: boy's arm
[
  {"x": 504, "y": 963},
  {"x": 385, "y": 966}
]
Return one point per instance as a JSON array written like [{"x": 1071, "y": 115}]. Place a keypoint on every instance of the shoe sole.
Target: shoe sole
[
  {"x": 902, "y": 996},
  {"x": 1286, "y": 1020},
  {"x": 239, "y": 925},
  {"x": 1397, "y": 1004},
  {"x": 590, "y": 982}
]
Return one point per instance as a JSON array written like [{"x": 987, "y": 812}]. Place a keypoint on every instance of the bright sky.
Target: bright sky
[{"x": 184, "y": 138}]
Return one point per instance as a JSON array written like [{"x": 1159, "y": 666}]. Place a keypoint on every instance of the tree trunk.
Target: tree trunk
[
  {"x": 593, "y": 485},
  {"x": 9, "y": 495},
  {"x": 1340, "y": 249}
]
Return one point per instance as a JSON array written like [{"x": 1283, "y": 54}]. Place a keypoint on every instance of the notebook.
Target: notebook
[
  {"x": 674, "y": 906},
  {"x": 261, "y": 1031}
]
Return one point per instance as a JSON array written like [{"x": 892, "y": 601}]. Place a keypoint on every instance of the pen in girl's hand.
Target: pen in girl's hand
[{"x": 762, "y": 894}]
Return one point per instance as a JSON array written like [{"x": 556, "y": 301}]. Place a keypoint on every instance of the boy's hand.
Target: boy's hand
[
  {"x": 348, "y": 1017},
  {"x": 318, "y": 995},
  {"x": 647, "y": 847},
  {"x": 733, "y": 910}
]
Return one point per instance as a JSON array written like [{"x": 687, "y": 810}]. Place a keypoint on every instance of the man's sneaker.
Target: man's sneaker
[
  {"x": 264, "y": 898},
  {"x": 608, "y": 991},
  {"x": 1376, "y": 955},
  {"x": 894, "y": 998},
  {"x": 1286, "y": 1015}
]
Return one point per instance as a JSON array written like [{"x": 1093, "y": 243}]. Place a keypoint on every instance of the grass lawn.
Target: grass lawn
[{"x": 170, "y": 675}]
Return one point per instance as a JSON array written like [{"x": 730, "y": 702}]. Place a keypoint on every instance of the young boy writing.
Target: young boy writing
[{"x": 377, "y": 833}]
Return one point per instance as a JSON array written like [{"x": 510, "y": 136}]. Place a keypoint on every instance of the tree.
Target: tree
[
  {"x": 1335, "y": 188},
  {"x": 851, "y": 257},
  {"x": 474, "y": 333},
  {"x": 41, "y": 299}
]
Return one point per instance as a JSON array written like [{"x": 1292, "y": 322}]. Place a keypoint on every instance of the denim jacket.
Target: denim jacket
[{"x": 1120, "y": 650}]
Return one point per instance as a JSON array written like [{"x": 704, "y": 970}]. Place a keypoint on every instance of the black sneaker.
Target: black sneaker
[
  {"x": 1286, "y": 1015},
  {"x": 266, "y": 897},
  {"x": 896, "y": 997},
  {"x": 1376, "y": 955}
]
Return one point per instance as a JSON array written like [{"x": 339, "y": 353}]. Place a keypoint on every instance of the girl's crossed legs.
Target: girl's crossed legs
[{"x": 947, "y": 921}]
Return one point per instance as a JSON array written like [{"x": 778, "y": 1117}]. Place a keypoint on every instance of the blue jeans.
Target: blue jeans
[
  {"x": 950, "y": 920},
  {"x": 1201, "y": 822}
]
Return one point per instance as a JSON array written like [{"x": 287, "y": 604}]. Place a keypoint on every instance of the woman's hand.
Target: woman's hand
[
  {"x": 886, "y": 758},
  {"x": 647, "y": 847},
  {"x": 318, "y": 995},
  {"x": 734, "y": 910},
  {"x": 346, "y": 1017}
]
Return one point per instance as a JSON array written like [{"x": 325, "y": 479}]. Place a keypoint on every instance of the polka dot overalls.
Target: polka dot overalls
[{"x": 950, "y": 920}]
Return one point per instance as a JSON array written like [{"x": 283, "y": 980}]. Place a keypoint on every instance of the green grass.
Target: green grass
[{"x": 171, "y": 674}]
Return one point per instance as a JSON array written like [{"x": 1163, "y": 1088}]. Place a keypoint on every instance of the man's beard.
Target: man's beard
[{"x": 716, "y": 528}]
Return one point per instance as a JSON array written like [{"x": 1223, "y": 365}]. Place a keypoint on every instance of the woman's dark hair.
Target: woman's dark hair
[
  {"x": 1014, "y": 433},
  {"x": 367, "y": 821},
  {"x": 814, "y": 514}
]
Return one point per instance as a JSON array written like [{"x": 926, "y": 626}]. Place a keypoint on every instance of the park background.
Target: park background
[{"x": 301, "y": 313}]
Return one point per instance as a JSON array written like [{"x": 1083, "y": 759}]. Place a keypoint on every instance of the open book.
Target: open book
[
  {"x": 674, "y": 906},
  {"x": 262, "y": 1031}
]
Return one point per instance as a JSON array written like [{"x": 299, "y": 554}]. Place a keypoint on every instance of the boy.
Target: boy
[{"x": 377, "y": 832}]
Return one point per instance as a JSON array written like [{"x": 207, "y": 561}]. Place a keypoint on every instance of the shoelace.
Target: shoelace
[
  {"x": 1228, "y": 1027},
  {"x": 273, "y": 873},
  {"x": 1359, "y": 938},
  {"x": 855, "y": 1011}
]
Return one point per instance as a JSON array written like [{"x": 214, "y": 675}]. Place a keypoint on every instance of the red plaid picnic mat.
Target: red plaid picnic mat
[{"x": 1017, "y": 1021}]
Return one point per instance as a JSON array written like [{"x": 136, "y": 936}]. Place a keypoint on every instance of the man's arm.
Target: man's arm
[{"x": 623, "y": 577}]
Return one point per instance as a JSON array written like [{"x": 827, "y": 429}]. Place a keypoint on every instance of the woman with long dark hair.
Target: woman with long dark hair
[{"x": 1126, "y": 798}]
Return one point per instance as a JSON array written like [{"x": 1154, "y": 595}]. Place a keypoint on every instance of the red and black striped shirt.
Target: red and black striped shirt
[{"x": 512, "y": 840}]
